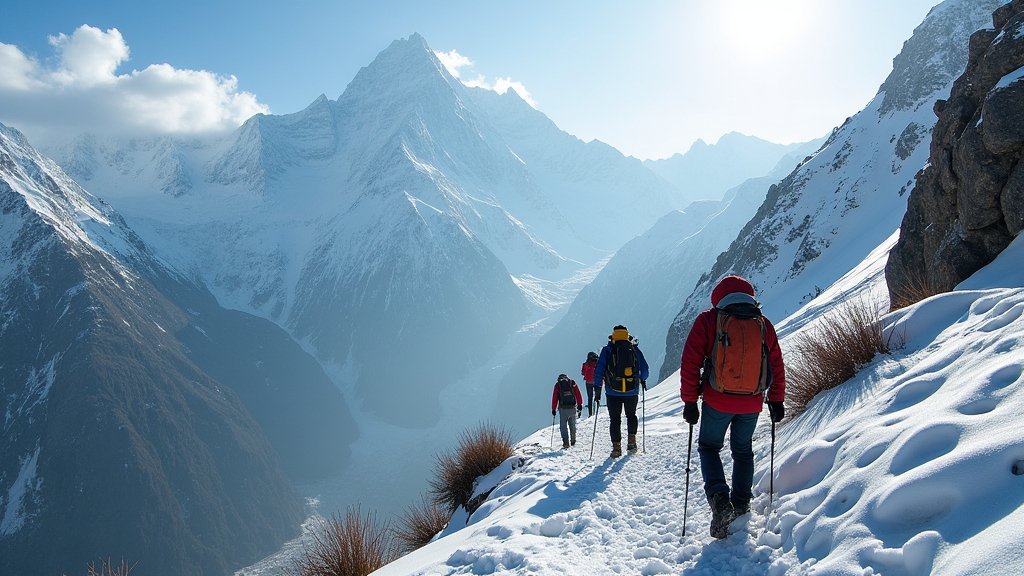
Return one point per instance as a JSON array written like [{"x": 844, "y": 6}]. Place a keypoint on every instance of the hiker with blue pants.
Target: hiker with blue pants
[{"x": 736, "y": 410}]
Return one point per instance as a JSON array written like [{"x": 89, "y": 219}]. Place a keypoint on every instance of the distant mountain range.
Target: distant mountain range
[{"x": 707, "y": 171}]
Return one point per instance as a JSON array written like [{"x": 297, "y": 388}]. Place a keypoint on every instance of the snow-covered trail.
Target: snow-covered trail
[
  {"x": 562, "y": 512},
  {"x": 913, "y": 467}
]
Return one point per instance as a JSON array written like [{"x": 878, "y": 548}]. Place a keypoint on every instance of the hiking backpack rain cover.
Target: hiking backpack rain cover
[
  {"x": 621, "y": 374},
  {"x": 739, "y": 355}
]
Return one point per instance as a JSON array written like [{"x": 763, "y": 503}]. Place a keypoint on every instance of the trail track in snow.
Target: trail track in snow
[{"x": 620, "y": 515}]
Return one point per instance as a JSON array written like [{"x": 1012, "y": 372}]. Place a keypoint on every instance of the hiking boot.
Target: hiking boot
[
  {"x": 616, "y": 449},
  {"x": 565, "y": 445},
  {"x": 721, "y": 514},
  {"x": 631, "y": 444},
  {"x": 572, "y": 442},
  {"x": 740, "y": 507}
]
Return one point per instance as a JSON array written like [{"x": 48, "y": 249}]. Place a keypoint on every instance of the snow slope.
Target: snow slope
[{"x": 913, "y": 467}]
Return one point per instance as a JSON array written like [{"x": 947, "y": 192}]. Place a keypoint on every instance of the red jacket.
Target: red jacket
[
  {"x": 587, "y": 370},
  {"x": 575, "y": 391},
  {"x": 698, "y": 346}
]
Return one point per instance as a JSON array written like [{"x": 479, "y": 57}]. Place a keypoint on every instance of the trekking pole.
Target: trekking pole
[
  {"x": 643, "y": 408},
  {"x": 686, "y": 498},
  {"x": 552, "y": 442},
  {"x": 771, "y": 479},
  {"x": 597, "y": 410}
]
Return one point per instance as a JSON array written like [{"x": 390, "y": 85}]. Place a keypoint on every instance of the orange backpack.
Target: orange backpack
[{"x": 739, "y": 355}]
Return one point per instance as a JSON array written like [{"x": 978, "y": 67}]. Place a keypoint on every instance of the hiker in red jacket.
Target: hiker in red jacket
[
  {"x": 568, "y": 402},
  {"x": 587, "y": 371},
  {"x": 731, "y": 358}
]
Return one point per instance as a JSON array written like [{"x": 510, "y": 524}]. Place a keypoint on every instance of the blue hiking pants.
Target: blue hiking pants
[{"x": 710, "y": 441}]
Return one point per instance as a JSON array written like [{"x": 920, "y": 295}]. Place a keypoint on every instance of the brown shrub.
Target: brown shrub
[
  {"x": 353, "y": 546},
  {"x": 832, "y": 352},
  {"x": 480, "y": 451},
  {"x": 914, "y": 287},
  {"x": 420, "y": 524}
]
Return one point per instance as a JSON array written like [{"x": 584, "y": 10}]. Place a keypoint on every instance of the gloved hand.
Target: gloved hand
[
  {"x": 552, "y": 411},
  {"x": 644, "y": 384},
  {"x": 776, "y": 410},
  {"x": 690, "y": 413},
  {"x": 579, "y": 411}
]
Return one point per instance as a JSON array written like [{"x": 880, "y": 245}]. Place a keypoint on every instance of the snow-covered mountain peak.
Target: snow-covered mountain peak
[
  {"x": 74, "y": 214},
  {"x": 407, "y": 67},
  {"x": 927, "y": 63}
]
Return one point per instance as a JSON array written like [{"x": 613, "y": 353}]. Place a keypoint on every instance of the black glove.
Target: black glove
[
  {"x": 552, "y": 411},
  {"x": 776, "y": 410},
  {"x": 597, "y": 396},
  {"x": 644, "y": 384},
  {"x": 579, "y": 411},
  {"x": 690, "y": 413}
]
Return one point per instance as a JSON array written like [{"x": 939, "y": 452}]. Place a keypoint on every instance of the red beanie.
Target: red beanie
[{"x": 728, "y": 285}]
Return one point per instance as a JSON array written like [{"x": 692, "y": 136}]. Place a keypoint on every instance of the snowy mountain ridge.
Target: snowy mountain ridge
[
  {"x": 816, "y": 225},
  {"x": 99, "y": 373}
]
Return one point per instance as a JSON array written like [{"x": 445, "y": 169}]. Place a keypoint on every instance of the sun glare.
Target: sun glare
[{"x": 763, "y": 28}]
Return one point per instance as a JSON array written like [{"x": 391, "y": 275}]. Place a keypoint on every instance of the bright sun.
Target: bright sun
[{"x": 763, "y": 28}]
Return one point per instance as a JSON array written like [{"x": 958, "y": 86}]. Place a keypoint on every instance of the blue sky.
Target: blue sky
[{"x": 646, "y": 77}]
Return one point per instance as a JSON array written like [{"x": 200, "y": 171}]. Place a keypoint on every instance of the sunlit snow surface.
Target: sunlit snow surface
[{"x": 907, "y": 469}]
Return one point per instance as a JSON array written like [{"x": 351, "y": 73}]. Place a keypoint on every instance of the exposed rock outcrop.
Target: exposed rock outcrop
[{"x": 968, "y": 201}]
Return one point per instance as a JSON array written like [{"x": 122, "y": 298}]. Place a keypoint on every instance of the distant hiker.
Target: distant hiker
[
  {"x": 568, "y": 402},
  {"x": 731, "y": 357},
  {"x": 621, "y": 367},
  {"x": 587, "y": 370}
]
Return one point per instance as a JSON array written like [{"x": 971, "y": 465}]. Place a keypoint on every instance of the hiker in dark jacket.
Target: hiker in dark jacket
[
  {"x": 733, "y": 411},
  {"x": 568, "y": 402},
  {"x": 587, "y": 371},
  {"x": 622, "y": 369}
]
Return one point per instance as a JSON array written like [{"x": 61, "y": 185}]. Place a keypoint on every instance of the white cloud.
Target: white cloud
[
  {"x": 89, "y": 56},
  {"x": 84, "y": 92},
  {"x": 17, "y": 68},
  {"x": 455, "y": 63}
]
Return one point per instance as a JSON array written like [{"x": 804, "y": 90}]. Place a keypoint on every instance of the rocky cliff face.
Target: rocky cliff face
[{"x": 968, "y": 202}]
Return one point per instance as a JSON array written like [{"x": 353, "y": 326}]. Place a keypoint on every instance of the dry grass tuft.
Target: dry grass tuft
[
  {"x": 480, "y": 451},
  {"x": 353, "y": 546},
  {"x": 421, "y": 523},
  {"x": 914, "y": 288},
  {"x": 833, "y": 351}
]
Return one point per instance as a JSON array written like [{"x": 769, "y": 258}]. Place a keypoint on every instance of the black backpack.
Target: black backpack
[
  {"x": 566, "y": 396},
  {"x": 621, "y": 372}
]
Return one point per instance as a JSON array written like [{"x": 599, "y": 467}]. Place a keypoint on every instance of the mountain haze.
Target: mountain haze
[
  {"x": 115, "y": 439},
  {"x": 707, "y": 171}
]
